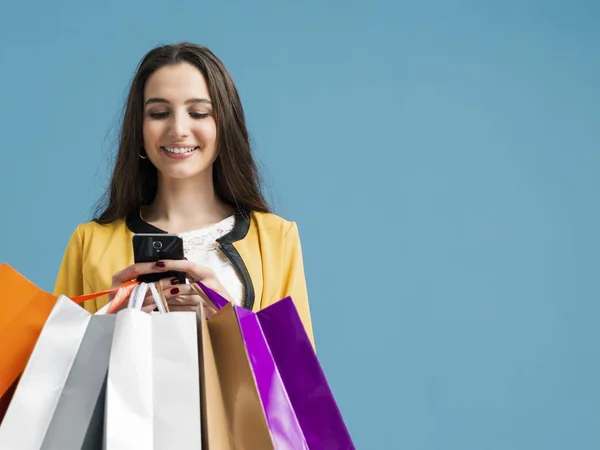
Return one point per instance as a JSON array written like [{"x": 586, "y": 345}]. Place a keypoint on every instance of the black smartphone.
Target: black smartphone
[{"x": 156, "y": 247}]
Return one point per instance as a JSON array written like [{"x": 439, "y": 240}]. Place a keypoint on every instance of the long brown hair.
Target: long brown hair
[{"x": 235, "y": 175}]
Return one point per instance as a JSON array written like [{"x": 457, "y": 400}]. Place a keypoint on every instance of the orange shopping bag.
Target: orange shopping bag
[{"x": 24, "y": 309}]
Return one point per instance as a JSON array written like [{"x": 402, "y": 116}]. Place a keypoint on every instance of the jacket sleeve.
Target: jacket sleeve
[
  {"x": 295, "y": 281},
  {"x": 69, "y": 280}
]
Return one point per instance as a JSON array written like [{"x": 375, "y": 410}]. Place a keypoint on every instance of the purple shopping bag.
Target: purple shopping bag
[
  {"x": 278, "y": 345},
  {"x": 283, "y": 424}
]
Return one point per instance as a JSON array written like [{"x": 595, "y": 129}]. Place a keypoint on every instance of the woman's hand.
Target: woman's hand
[
  {"x": 128, "y": 274},
  {"x": 180, "y": 297},
  {"x": 184, "y": 297}
]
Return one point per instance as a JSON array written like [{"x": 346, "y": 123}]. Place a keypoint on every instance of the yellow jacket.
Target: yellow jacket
[{"x": 264, "y": 248}]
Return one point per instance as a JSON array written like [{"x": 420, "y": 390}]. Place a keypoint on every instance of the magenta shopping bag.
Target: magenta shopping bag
[
  {"x": 276, "y": 336},
  {"x": 282, "y": 422}
]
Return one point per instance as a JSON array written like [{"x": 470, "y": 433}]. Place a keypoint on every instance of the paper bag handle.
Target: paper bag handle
[
  {"x": 85, "y": 297},
  {"x": 122, "y": 293}
]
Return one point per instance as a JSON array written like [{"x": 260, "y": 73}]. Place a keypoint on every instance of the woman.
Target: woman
[{"x": 184, "y": 166}]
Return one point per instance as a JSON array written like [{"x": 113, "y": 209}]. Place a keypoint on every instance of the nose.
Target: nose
[{"x": 179, "y": 128}]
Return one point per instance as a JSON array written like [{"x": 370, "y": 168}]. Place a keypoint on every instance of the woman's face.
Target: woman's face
[{"x": 180, "y": 130}]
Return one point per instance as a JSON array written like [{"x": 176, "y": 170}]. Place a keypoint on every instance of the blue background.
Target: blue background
[{"x": 440, "y": 158}]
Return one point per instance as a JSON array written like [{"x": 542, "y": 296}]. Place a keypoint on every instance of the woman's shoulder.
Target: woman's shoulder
[
  {"x": 273, "y": 227},
  {"x": 93, "y": 229},
  {"x": 271, "y": 223}
]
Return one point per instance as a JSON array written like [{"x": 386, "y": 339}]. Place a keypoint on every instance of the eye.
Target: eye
[
  {"x": 197, "y": 115},
  {"x": 158, "y": 115}
]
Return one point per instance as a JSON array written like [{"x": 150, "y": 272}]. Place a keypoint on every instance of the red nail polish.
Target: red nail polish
[
  {"x": 175, "y": 291},
  {"x": 174, "y": 281},
  {"x": 160, "y": 264}
]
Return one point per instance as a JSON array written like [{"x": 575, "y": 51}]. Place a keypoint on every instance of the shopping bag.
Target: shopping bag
[
  {"x": 303, "y": 376},
  {"x": 305, "y": 383},
  {"x": 246, "y": 420},
  {"x": 39, "y": 388},
  {"x": 6, "y": 398},
  {"x": 153, "y": 384},
  {"x": 216, "y": 434},
  {"x": 281, "y": 418},
  {"x": 266, "y": 419},
  {"x": 24, "y": 309},
  {"x": 78, "y": 419}
]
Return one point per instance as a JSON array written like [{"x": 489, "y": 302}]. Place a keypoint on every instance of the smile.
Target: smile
[{"x": 179, "y": 151}]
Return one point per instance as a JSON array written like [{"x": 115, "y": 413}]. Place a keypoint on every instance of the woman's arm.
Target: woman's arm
[
  {"x": 69, "y": 280},
  {"x": 294, "y": 284}
]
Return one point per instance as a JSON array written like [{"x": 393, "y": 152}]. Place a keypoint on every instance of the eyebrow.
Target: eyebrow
[{"x": 187, "y": 102}]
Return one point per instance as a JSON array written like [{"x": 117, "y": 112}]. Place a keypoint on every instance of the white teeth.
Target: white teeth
[{"x": 180, "y": 150}]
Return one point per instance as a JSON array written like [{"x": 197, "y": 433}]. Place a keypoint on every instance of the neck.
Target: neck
[{"x": 183, "y": 205}]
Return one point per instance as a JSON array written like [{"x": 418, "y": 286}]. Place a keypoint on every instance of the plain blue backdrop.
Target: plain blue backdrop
[{"x": 441, "y": 160}]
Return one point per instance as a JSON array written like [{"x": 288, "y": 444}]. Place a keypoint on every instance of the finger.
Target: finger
[
  {"x": 191, "y": 301},
  {"x": 134, "y": 271},
  {"x": 176, "y": 290},
  {"x": 209, "y": 312},
  {"x": 184, "y": 300},
  {"x": 193, "y": 270},
  {"x": 193, "y": 289},
  {"x": 185, "y": 295},
  {"x": 149, "y": 299},
  {"x": 149, "y": 308},
  {"x": 183, "y": 308},
  {"x": 213, "y": 284},
  {"x": 118, "y": 302},
  {"x": 166, "y": 285}
]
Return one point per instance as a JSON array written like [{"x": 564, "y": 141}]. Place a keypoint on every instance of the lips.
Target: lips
[{"x": 179, "y": 150}]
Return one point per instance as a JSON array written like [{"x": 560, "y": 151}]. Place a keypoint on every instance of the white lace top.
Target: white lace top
[{"x": 200, "y": 246}]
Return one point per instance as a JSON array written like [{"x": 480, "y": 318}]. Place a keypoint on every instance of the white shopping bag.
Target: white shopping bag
[
  {"x": 153, "y": 385},
  {"x": 78, "y": 419},
  {"x": 43, "y": 380}
]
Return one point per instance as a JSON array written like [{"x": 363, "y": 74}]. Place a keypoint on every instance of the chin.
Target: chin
[{"x": 183, "y": 174}]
